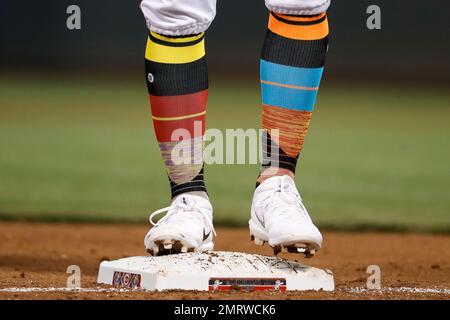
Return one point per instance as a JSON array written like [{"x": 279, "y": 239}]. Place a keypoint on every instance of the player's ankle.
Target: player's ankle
[{"x": 273, "y": 172}]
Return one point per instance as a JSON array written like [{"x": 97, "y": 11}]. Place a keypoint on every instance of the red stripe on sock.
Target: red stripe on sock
[
  {"x": 194, "y": 127},
  {"x": 181, "y": 105}
]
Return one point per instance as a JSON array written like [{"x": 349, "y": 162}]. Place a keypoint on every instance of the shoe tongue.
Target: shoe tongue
[
  {"x": 277, "y": 182},
  {"x": 182, "y": 200},
  {"x": 189, "y": 200}
]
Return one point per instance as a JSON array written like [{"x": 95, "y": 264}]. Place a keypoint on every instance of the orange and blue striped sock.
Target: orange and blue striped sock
[
  {"x": 291, "y": 67},
  {"x": 177, "y": 82}
]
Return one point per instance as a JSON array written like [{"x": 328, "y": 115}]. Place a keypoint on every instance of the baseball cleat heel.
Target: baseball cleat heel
[
  {"x": 257, "y": 241},
  {"x": 165, "y": 247},
  {"x": 303, "y": 248},
  {"x": 297, "y": 248},
  {"x": 154, "y": 251}
]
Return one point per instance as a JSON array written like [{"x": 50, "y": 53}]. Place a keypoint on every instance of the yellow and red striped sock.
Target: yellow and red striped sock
[{"x": 177, "y": 81}]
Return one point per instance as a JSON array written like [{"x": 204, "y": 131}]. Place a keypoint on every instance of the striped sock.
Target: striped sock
[
  {"x": 177, "y": 82},
  {"x": 291, "y": 67}
]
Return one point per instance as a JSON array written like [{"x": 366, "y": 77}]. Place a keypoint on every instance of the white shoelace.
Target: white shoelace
[{"x": 181, "y": 207}]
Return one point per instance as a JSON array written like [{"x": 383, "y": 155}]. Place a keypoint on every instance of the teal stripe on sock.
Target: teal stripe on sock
[
  {"x": 303, "y": 77},
  {"x": 294, "y": 99}
]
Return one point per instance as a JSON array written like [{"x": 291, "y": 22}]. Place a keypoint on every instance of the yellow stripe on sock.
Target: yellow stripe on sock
[
  {"x": 176, "y": 55},
  {"x": 180, "y": 117},
  {"x": 177, "y": 40}
]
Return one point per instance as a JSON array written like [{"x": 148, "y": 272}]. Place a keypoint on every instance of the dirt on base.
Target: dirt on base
[{"x": 36, "y": 255}]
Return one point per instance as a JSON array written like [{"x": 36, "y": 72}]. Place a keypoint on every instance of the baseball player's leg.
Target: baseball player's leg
[
  {"x": 291, "y": 67},
  {"x": 177, "y": 81}
]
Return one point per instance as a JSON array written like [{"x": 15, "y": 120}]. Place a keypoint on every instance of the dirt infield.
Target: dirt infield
[{"x": 34, "y": 258}]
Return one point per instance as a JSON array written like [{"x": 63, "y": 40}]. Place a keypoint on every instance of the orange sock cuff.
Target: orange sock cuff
[{"x": 299, "y": 27}]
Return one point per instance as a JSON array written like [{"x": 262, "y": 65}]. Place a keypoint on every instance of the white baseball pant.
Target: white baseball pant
[{"x": 186, "y": 17}]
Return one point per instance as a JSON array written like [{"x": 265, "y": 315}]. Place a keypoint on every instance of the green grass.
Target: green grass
[{"x": 375, "y": 157}]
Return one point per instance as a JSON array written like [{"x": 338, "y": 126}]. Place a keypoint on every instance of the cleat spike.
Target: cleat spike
[
  {"x": 276, "y": 250},
  {"x": 155, "y": 250},
  {"x": 167, "y": 246},
  {"x": 310, "y": 254},
  {"x": 184, "y": 249},
  {"x": 259, "y": 242}
]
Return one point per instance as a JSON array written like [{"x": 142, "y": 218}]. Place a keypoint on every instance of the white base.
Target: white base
[{"x": 215, "y": 270}]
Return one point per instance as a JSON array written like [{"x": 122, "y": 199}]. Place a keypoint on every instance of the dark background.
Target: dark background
[{"x": 411, "y": 46}]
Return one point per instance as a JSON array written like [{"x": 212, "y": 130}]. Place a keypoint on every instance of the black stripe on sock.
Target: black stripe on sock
[
  {"x": 197, "y": 181},
  {"x": 299, "y": 23},
  {"x": 176, "y": 79},
  {"x": 181, "y": 37},
  {"x": 196, "y": 184},
  {"x": 282, "y": 158},
  {"x": 294, "y": 53},
  {"x": 279, "y": 164},
  {"x": 188, "y": 188},
  {"x": 279, "y": 159},
  {"x": 175, "y": 44}
]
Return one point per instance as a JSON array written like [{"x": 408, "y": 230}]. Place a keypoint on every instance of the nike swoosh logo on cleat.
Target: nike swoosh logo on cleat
[
  {"x": 260, "y": 221},
  {"x": 206, "y": 235}
]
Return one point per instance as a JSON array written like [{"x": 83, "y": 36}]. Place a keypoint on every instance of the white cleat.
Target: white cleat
[
  {"x": 186, "y": 227},
  {"x": 279, "y": 217}
]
